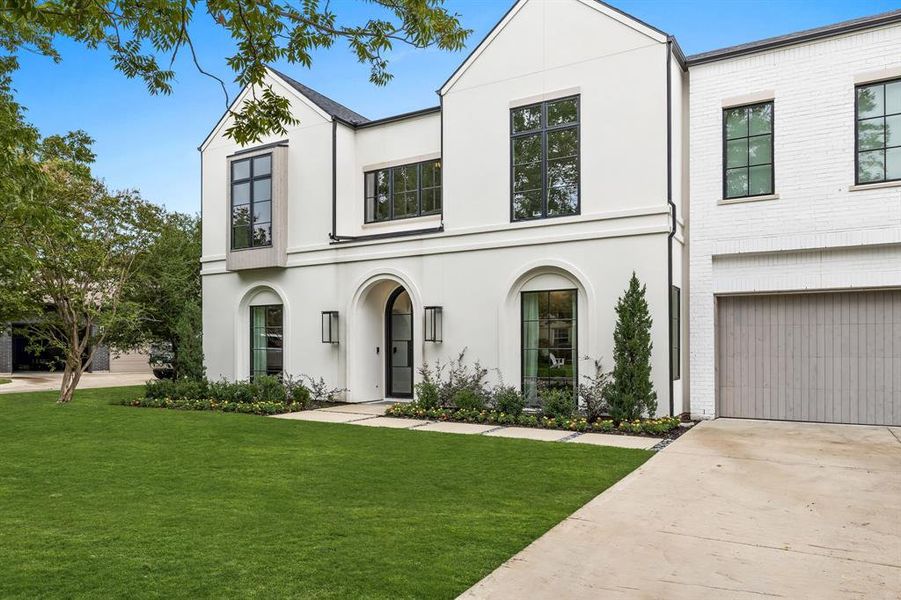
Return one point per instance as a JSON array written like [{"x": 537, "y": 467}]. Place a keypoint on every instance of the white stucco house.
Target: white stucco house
[
  {"x": 514, "y": 213},
  {"x": 574, "y": 146}
]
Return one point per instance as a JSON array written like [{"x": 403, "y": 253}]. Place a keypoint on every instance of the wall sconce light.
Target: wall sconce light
[
  {"x": 330, "y": 327},
  {"x": 434, "y": 326}
]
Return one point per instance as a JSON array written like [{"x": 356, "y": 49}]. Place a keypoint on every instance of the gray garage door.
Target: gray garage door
[{"x": 834, "y": 358}]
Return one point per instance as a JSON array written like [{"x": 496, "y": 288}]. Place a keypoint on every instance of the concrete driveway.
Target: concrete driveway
[{"x": 733, "y": 509}]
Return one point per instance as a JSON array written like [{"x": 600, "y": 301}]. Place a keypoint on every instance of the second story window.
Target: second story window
[
  {"x": 251, "y": 202},
  {"x": 748, "y": 151},
  {"x": 544, "y": 149},
  {"x": 879, "y": 132},
  {"x": 404, "y": 191}
]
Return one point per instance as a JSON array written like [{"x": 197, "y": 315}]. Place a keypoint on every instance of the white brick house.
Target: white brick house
[{"x": 757, "y": 348}]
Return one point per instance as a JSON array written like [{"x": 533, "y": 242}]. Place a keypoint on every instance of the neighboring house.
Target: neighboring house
[
  {"x": 561, "y": 158},
  {"x": 16, "y": 356},
  {"x": 795, "y": 237},
  {"x": 507, "y": 220}
]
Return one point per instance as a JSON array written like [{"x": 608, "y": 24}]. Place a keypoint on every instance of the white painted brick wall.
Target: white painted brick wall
[{"x": 765, "y": 246}]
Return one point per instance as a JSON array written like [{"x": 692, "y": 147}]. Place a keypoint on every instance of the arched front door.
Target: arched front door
[{"x": 399, "y": 342}]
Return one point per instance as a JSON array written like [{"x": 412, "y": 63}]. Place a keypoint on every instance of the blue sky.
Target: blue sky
[{"x": 150, "y": 142}]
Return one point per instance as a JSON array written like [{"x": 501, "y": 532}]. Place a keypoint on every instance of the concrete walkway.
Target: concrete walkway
[
  {"x": 732, "y": 509},
  {"x": 372, "y": 415},
  {"x": 40, "y": 382}
]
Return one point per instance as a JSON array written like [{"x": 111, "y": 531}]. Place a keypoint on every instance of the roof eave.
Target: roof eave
[{"x": 795, "y": 38}]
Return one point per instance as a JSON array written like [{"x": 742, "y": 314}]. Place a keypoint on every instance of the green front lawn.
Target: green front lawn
[{"x": 99, "y": 500}]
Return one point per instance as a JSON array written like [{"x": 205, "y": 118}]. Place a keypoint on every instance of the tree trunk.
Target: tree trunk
[{"x": 71, "y": 376}]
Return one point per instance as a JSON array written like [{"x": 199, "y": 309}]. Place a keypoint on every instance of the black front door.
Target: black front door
[{"x": 399, "y": 334}]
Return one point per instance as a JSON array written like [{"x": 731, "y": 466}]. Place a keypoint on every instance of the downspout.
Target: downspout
[
  {"x": 672, "y": 207},
  {"x": 441, "y": 150},
  {"x": 334, "y": 234}
]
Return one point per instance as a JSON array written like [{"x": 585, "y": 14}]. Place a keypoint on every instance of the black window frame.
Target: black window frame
[
  {"x": 574, "y": 344},
  {"x": 772, "y": 134},
  {"x": 251, "y": 179},
  {"x": 676, "y": 331},
  {"x": 543, "y": 130},
  {"x": 885, "y": 147},
  {"x": 419, "y": 189},
  {"x": 266, "y": 329}
]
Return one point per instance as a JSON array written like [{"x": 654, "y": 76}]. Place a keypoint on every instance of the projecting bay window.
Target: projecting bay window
[
  {"x": 266, "y": 340},
  {"x": 748, "y": 151},
  {"x": 251, "y": 202},
  {"x": 549, "y": 348},
  {"x": 403, "y": 191},
  {"x": 545, "y": 155},
  {"x": 879, "y": 132}
]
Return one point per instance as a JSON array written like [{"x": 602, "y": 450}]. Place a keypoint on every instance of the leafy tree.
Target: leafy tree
[
  {"x": 82, "y": 243},
  {"x": 167, "y": 287},
  {"x": 631, "y": 392},
  {"x": 144, "y": 37},
  {"x": 20, "y": 178}
]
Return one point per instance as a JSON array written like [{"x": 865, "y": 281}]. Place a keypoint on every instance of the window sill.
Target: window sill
[
  {"x": 878, "y": 185},
  {"x": 749, "y": 199},
  {"x": 436, "y": 218}
]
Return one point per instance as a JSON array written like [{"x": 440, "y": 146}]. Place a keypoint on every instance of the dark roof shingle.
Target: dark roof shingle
[
  {"x": 797, "y": 37},
  {"x": 335, "y": 109}
]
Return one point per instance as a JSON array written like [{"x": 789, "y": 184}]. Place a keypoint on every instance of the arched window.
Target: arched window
[
  {"x": 266, "y": 340},
  {"x": 549, "y": 341}
]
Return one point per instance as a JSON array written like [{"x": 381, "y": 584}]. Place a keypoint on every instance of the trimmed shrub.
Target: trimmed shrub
[
  {"x": 556, "y": 403},
  {"x": 175, "y": 388},
  {"x": 427, "y": 395},
  {"x": 300, "y": 395},
  {"x": 269, "y": 388},
  {"x": 508, "y": 400},
  {"x": 468, "y": 400}
]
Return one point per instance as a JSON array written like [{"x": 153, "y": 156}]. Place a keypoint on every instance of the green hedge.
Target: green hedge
[
  {"x": 263, "y": 407},
  {"x": 652, "y": 427}
]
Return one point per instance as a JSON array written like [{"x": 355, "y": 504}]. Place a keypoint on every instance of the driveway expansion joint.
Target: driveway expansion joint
[{"x": 895, "y": 435}]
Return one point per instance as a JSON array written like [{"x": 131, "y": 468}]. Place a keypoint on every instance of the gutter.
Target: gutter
[
  {"x": 344, "y": 239},
  {"x": 672, "y": 207}
]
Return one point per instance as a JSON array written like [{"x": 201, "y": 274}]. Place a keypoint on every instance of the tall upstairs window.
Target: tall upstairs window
[
  {"x": 544, "y": 152},
  {"x": 251, "y": 202},
  {"x": 879, "y": 132},
  {"x": 404, "y": 191},
  {"x": 748, "y": 151}
]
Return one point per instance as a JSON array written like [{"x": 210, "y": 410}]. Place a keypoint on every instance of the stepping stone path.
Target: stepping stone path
[{"x": 372, "y": 415}]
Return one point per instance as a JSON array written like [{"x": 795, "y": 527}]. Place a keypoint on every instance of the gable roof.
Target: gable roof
[
  {"x": 611, "y": 11},
  {"x": 797, "y": 37},
  {"x": 333, "y": 108}
]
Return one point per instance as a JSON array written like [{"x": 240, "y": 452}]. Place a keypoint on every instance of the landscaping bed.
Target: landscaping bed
[
  {"x": 264, "y": 395},
  {"x": 664, "y": 427},
  {"x": 460, "y": 392}
]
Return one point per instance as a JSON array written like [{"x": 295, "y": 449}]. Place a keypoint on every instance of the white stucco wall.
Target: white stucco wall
[
  {"x": 820, "y": 233},
  {"x": 477, "y": 266}
]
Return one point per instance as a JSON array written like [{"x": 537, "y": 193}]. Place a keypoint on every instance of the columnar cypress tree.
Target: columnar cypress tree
[{"x": 631, "y": 392}]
